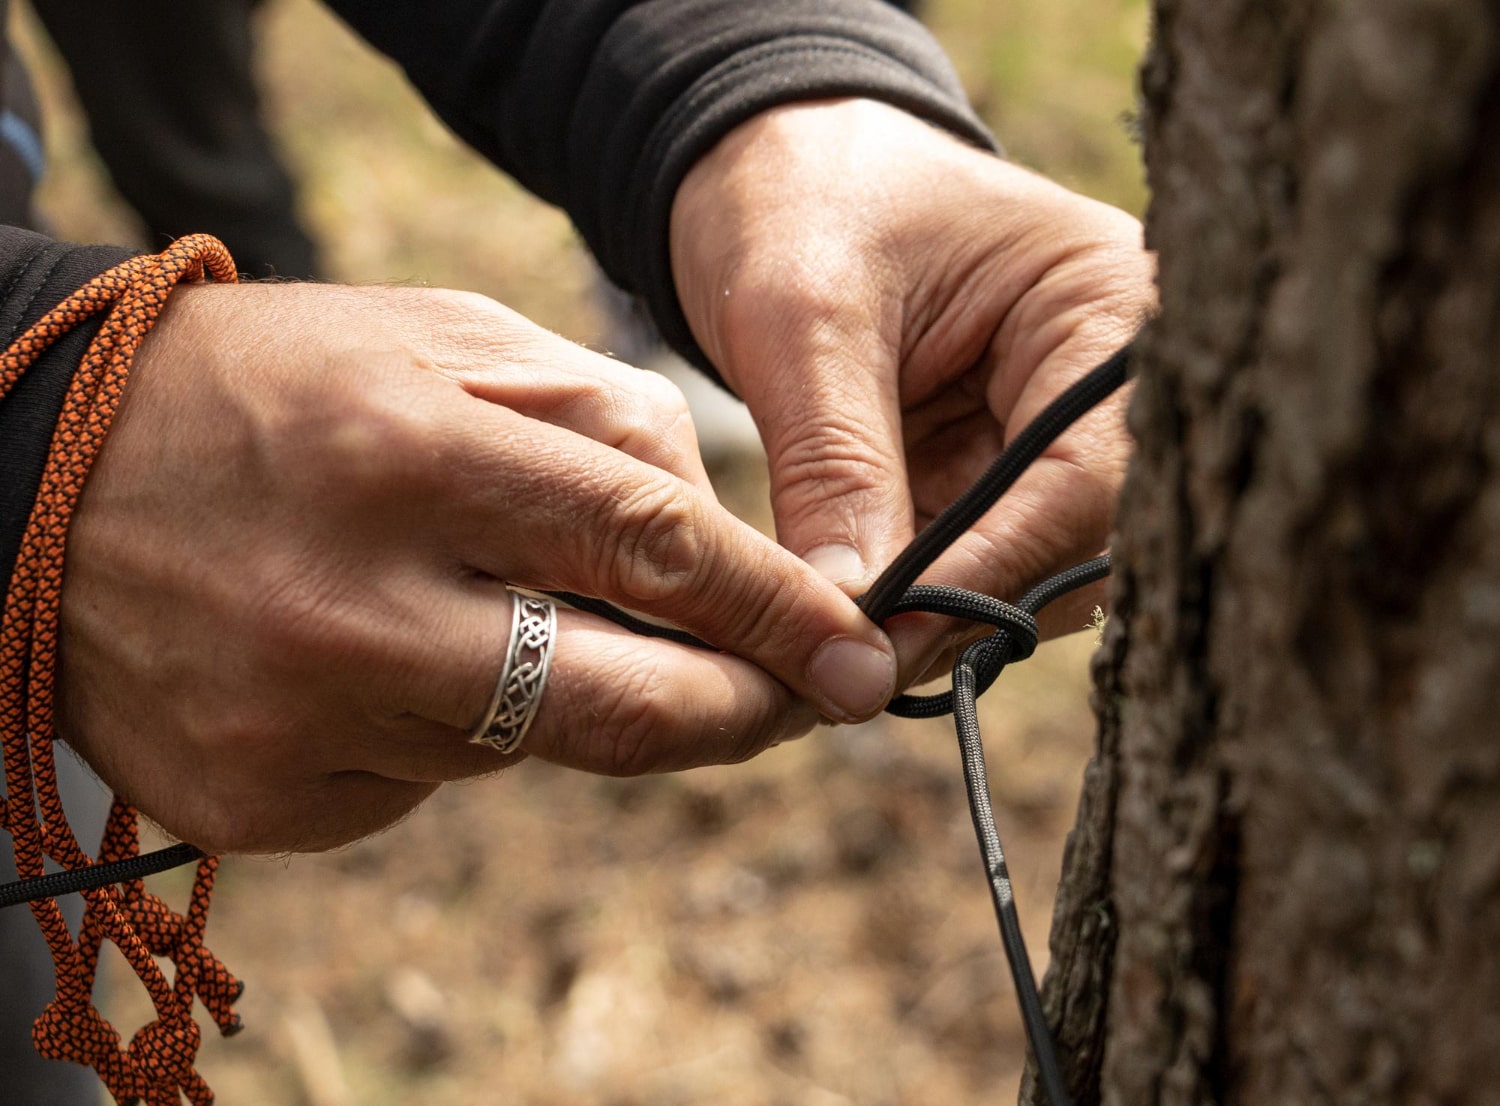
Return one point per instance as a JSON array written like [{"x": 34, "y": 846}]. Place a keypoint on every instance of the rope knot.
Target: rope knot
[
  {"x": 75, "y": 1032},
  {"x": 165, "y": 1050},
  {"x": 1014, "y": 639}
]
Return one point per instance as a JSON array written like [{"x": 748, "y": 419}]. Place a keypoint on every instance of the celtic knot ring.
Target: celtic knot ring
[{"x": 528, "y": 659}]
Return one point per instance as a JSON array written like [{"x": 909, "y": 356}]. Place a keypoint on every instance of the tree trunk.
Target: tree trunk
[{"x": 1285, "y": 885}]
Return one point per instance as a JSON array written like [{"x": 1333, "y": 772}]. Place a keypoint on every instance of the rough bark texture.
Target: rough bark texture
[{"x": 1285, "y": 887}]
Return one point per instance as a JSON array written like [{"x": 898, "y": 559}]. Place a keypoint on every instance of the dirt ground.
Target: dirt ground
[{"x": 810, "y": 929}]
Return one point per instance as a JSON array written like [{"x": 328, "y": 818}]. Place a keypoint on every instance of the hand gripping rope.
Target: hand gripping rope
[{"x": 159, "y": 1060}]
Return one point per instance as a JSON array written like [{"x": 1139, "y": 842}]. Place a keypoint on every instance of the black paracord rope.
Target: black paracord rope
[
  {"x": 893, "y": 593},
  {"x": 1014, "y": 639},
  {"x": 1004, "y": 471},
  {"x": 98, "y": 875},
  {"x": 981, "y": 663},
  {"x": 627, "y": 620}
]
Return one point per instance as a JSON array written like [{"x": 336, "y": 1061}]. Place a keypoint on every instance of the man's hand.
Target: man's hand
[
  {"x": 894, "y": 306},
  {"x": 284, "y": 609}
]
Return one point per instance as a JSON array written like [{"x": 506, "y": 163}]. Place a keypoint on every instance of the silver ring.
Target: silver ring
[{"x": 528, "y": 660}]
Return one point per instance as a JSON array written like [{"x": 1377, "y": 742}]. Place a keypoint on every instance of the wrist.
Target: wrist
[
  {"x": 807, "y": 202},
  {"x": 746, "y": 213}
]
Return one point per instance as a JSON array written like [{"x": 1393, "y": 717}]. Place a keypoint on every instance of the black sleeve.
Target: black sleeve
[
  {"x": 35, "y": 274},
  {"x": 602, "y": 106}
]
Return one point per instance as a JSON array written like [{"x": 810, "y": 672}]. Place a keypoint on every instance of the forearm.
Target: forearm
[{"x": 602, "y": 106}]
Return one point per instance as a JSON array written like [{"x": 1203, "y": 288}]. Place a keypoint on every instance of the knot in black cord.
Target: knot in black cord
[{"x": 1014, "y": 639}]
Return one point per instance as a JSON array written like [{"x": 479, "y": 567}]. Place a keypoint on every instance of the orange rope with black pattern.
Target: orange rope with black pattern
[{"x": 158, "y": 1065}]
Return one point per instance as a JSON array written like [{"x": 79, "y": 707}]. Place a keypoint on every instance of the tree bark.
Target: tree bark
[{"x": 1285, "y": 884}]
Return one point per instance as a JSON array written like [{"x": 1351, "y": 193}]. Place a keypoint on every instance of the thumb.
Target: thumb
[{"x": 829, "y": 414}]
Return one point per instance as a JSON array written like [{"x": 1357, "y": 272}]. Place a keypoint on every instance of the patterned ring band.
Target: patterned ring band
[{"x": 528, "y": 659}]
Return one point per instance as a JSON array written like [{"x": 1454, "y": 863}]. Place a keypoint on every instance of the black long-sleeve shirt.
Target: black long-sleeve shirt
[{"x": 599, "y": 106}]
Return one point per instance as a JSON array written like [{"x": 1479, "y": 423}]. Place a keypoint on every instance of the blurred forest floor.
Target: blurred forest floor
[{"x": 810, "y": 929}]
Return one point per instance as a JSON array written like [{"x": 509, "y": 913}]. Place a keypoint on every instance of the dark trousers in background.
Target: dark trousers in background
[{"x": 173, "y": 109}]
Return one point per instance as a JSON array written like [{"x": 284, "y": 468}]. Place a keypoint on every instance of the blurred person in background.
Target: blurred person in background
[
  {"x": 286, "y": 602},
  {"x": 173, "y": 110}
]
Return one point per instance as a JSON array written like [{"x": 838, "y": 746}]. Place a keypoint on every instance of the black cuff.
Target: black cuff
[{"x": 40, "y": 273}]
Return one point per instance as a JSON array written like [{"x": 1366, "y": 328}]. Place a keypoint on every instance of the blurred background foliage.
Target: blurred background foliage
[
  {"x": 1056, "y": 81},
  {"x": 810, "y": 929}
]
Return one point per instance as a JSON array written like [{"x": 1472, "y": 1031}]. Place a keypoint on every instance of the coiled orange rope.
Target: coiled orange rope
[{"x": 158, "y": 1065}]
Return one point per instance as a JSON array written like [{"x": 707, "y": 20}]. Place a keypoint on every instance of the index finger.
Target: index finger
[{"x": 540, "y": 506}]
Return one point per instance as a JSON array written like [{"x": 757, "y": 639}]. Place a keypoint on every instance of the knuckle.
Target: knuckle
[
  {"x": 445, "y": 314},
  {"x": 651, "y": 415},
  {"x": 654, "y": 543},
  {"x": 373, "y": 442},
  {"x": 632, "y": 720},
  {"x": 459, "y": 302},
  {"x": 654, "y": 420},
  {"x": 365, "y": 414},
  {"x": 635, "y": 415},
  {"x": 666, "y": 400},
  {"x": 832, "y": 460},
  {"x": 456, "y": 323}
]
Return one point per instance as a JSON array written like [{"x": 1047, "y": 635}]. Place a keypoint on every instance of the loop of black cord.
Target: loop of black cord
[
  {"x": 1004, "y": 471},
  {"x": 1014, "y": 639},
  {"x": 895, "y": 592}
]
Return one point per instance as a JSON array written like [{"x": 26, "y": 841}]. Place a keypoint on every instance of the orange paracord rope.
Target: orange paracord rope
[{"x": 158, "y": 1066}]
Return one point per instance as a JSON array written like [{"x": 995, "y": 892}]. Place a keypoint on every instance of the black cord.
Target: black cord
[
  {"x": 966, "y": 688},
  {"x": 98, "y": 875},
  {"x": 1015, "y": 639},
  {"x": 981, "y": 663},
  {"x": 629, "y": 621},
  {"x": 1003, "y": 472},
  {"x": 1055, "y": 587}
]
